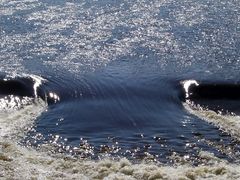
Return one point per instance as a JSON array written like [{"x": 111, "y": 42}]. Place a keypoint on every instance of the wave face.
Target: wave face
[
  {"x": 195, "y": 90},
  {"x": 217, "y": 96},
  {"x": 18, "y": 87},
  {"x": 103, "y": 89}
]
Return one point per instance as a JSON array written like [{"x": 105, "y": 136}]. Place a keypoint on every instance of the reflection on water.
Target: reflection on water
[{"x": 110, "y": 74}]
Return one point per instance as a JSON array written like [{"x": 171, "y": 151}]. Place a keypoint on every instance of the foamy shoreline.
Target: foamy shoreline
[{"x": 18, "y": 162}]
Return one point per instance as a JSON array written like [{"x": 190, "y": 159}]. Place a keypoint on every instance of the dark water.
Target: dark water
[{"x": 117, "y": 66}]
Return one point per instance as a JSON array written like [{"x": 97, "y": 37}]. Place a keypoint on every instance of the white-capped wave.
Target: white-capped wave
[{"x": 18, "y": 113}]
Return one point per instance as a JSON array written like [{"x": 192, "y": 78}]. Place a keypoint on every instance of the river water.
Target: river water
[{"x": 100, "y": 84}]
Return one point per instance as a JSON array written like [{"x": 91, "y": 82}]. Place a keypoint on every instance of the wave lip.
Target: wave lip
[
  {"x": 197, "y": 90},
  {"x": 219, "y": 96},
  {"x": 30, "y": 86}
]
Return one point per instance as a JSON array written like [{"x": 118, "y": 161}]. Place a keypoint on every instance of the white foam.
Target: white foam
[
  {"x": 229, "y": 123},
  {"x": 88, "y": 46},
  {"x": 15, "y": 116},
  {"x": 21, "y": 163}
]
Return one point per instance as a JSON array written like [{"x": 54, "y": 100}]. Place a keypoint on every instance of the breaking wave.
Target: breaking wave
[
  {"x": 217, "y": 103},
  {"x": 157, "y": 38},
  {"x": 29, "y": 163},
  {"x": 19, "y": 104}
]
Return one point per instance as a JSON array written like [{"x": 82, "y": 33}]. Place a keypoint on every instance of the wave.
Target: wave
[
  {"x": 19, "y": 104},
  {"x": 29, "y": 163},
  {"x": 199, "y": 90},
  {"x": 27, "y": 87},
  {"x": 217, "y": 103}
]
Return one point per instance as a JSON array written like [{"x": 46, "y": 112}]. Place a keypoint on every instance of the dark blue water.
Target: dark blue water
[{"x": 117, "y": 66}]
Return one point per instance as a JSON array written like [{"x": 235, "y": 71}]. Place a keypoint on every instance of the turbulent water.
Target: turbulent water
[{"x": 100, "y": 89}]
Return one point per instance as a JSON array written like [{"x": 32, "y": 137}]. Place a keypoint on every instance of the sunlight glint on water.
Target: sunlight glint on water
[{"x": 103, "y": 91}]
